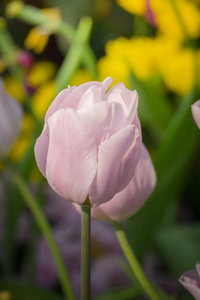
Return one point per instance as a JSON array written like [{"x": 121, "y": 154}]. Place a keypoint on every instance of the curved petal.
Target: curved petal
[
  {"x": 191, "y": 281},
  {"x": 196, "y": 112},
  {"x": 72, "y": 165},
  {"x": 131, "y": 199},
  {"x": 41, "y": 150},
  {"x": 75, "y": 97},
  {"x": 128, "y": 99},
  {"x": 57, "y": 102},
  {"x": 104, "y": 119},
  {"x": 112, "y": 169}
]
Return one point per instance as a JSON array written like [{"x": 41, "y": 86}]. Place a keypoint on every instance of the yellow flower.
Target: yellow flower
[
  {"x": 5, "y": 295},
  {"x": 23, "y": 143},
  {"x": 166, "y": 16},
  {"x": 178, "y": 71},
  {"x": 15, "y": 88},
  {"x": 80, "y": 77},
  {"x": 116, "y": 68},
  {"x": 145, "y": 57},
  {"x": 40, "y": 73},
  {"x": 169, "y": 23},
  {"x": 43, "y": 98},
  {"x": 136, "y": 7},
  {"x": 38, "y": 36}
]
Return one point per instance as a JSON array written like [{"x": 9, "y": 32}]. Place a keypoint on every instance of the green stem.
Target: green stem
[
  {"x": 85, "y": 252},
  {"x": 46, "y": 230},
  {"x": 74, "y": 55},
  {"x": 136, "y": 268}
]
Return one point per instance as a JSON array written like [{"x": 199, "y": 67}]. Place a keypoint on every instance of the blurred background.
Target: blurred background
[{"x": 152, "y": 46}]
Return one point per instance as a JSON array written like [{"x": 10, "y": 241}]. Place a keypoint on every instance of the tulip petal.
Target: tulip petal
[
  {"x": 41, "y": 150},
  {"x": 196, "y": 112},
  {"x": 128, "y": 99},
  {"x": 103, "y": 119},
  {"x": 133, "y": 196},
  {"x": 191, "y": 281},
  {"x": 57, "y": 102},
  {"x": 112, "y": 170},
  {"x": 74, "y": 98},
  {"x": 90, "y": 97},
  {"x": 72, "y": 164}
]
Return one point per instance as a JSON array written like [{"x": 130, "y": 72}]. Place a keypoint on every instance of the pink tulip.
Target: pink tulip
[
  {"x": 196, "y": 112},
  {"x": 11, "y": 115},
  {"x": 127, "y": 202},
  {"x": 91, "y": 142},
  {"x": 191, "y": 281}
]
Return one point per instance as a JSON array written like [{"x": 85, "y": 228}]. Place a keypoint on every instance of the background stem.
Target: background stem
[
  {"x": 134, "y": 264},
  {"x": 46, "y": 230},
  {"x": 85, "y": 252}
]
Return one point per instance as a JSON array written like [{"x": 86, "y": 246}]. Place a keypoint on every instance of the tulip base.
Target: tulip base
[{"x": 85, "y": 252}]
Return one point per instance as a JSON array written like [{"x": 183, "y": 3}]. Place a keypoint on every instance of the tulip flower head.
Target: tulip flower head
[
  {"x": 11, "y": 115},
  {"x": 191, "y": 281},
  {"x": 196, "y": 112},
  {"x": 91, "y": 142},
  {"x": 127, "y": 202}
]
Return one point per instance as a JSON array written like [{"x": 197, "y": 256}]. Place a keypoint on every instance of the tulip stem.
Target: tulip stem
[
  {"x": 134, "y": 264},
  {"x": 46, "y": 230},
  {"x": 85, "y": 252}
]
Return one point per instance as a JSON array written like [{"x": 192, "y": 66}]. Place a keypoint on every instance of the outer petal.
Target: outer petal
[
  {"x": 196, "y": 112},
  {"x": 41, "y": 150},
  {"x": 57, "y": 102},
  {"x": 131, "y": 199},
  {"x": 112, "y": 169},
  {"x": 72, "y": 164},
  {"x": 191, "y": 281}
]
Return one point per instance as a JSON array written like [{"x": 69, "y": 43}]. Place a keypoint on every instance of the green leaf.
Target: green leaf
[
  {"x": 172, "y": 163},
  {"x": 21, "y": 291},
  {"x": 126, "y": 293}
]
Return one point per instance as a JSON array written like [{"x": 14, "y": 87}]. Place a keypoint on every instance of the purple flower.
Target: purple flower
[{"x": 191, "y": 281}]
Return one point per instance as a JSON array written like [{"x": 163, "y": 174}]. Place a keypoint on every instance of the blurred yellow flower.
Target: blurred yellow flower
[
  {"x": 43, "y": 98},
  {"x": 135, "y": 7},
  {"x": 38, "y": 36},
  {"x": 22, "y": 144},
  {"x": 40, "y": 73},
  {"x": 80, "y": 77},
  {"x": 145, "y": 57},
  {"x": 116, "y": 68},
  {"x": 5, "y": 295},
  {"x": 178, "y": 71},
  {"x": 15, "y": 87},
  {"x": 168, "y": 21},
  {"x": 174, "y": 19}
]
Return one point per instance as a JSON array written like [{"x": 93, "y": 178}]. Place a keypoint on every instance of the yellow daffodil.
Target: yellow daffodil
[
  {"x": 42, "y": 98},
  {"x": 176, "y": 19},
  {"x": 15, "y": 87},
  {"x": 24, "y": 141},
  {"x": 40, "y": 73},
  {"x": 80, "y": 77},
  {"x": 38, "y": 36},
  {"x": 145, "y": 56}
]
